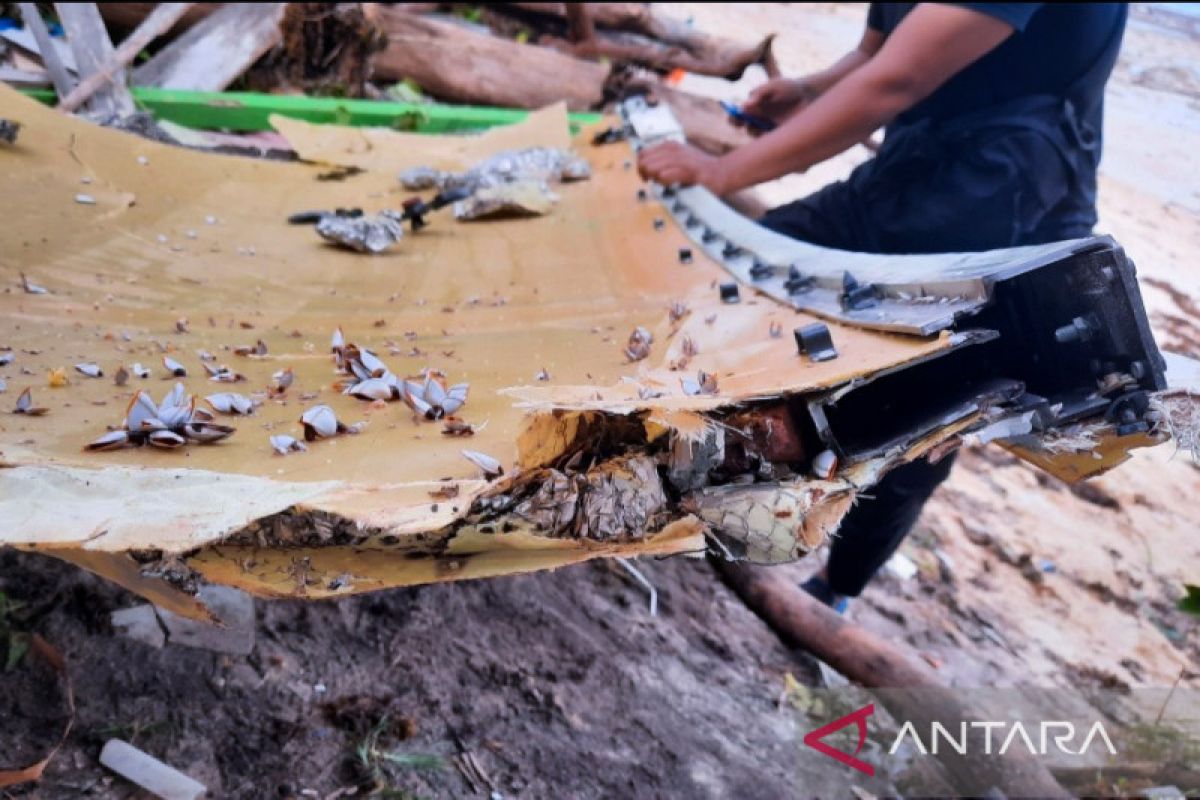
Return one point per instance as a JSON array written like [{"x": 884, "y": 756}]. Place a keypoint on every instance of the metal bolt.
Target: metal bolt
[{"x": 1079, "y": 330}]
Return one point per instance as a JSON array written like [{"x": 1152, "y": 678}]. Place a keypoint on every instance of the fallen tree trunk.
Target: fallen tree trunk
[
  {"x": 914, "y": 692},
  {"x": 459, "y": 65},
  {"x": 662, "y": 43}
]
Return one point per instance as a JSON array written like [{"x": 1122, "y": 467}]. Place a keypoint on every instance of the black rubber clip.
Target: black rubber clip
[
  {"x": 856, "y": 296},
  {"x": 816, "y": 342}
]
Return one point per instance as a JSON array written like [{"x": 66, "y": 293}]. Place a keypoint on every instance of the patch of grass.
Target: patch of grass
[
  {"x": 379, "y": 761},
  {"x": 1190, "y": 603},
  {"x": 14, "y": 643}
]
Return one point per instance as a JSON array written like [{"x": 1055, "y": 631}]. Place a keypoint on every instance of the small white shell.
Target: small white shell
[
  {"x": 166, "y": 440},
  {"x": 174, "y": 367},
  {"x": 284, "y": 444},
  {"x": 90, "y": 369},
  {"x": 372, "y": 362},
  {"x": 140, "y": 371},
  {"x": 825, "y": 465},
  {"x": 319, "y": 422},
  {"x": 434, "y": 393},
  {"x": 372, "y": 389},
  {"x": 176, "y": 408},
  {"x": 141, "y": 408},
  {"x": 456, "y": 397},
  {"x": 230, "y": 403},
  {"x": 113, "y": 440},
  {"x": 490, "y": 467},
  {"x": 206, "y": 433}
]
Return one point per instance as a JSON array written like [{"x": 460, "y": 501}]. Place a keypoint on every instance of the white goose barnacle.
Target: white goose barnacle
[
  {"x": 638, "y": 347},
  {"x": 223, "y": 374},
  {"x": 6, "y": 358},
  {"x": 431, "y": 399},
  {"x": 165, "y": 439},
  {"x": 703, "y": 383},
  {"x": 230, "y": 403},
  {"x": 374, "y": 389},
  {"x": 174, "y": 367},
  {"x": 90, "y": 369},
  {"x": 113, "y": 440},
  {"x": 825, "y": 465},
  {"x": 140, "y": 371},
  {"x": 167, "y": 425},
  {"x": 283, "y": 444},
  {"x": 490, "y": 467},
  {"x": 25, "y": 405},
  {"x": 321, "y": 423},
  {"x": 205, "y": 432},
  {"x": 259, "y": 348}
]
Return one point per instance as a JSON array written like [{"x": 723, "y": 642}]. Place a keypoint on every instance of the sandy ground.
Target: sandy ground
[{"x": 563, "y": 684}]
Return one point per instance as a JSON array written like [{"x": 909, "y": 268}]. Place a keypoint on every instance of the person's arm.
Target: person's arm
[
  {"x": 780, "y": 98},
  {"x": 932, "y": 44}
]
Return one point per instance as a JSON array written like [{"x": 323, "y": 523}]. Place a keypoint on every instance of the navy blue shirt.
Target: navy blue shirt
[{"x": 1052, "y": 47}]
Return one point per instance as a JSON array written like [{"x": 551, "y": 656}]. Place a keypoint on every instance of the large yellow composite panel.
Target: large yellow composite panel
[{"x": 178, "y": 234}]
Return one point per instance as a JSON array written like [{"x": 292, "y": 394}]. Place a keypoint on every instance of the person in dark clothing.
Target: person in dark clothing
[{"x": 993, "y": 115}]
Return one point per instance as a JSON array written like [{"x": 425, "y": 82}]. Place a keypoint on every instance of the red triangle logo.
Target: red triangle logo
[{"x": 858, "y": 718}]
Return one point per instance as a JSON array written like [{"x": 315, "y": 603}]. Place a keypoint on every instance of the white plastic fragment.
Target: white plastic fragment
[{"x": 157, "y": 778}]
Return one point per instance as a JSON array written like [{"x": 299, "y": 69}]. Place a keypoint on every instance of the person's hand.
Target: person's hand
[
  {"x": 779, "y": 98},
  {"x": 678, "y": 163}
]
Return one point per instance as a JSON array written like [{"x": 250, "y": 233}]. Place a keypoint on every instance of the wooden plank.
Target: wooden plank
[
  {"x": 23, "y": 77},
  {"x": 216, "y": 51},
  {"x": 92, "y": 48},
  {"x": 49, "y": 53},
  {"x": 158, "y": 22}
]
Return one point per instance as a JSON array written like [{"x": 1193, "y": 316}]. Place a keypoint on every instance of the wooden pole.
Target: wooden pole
[
  {"x": 37, "y": 26},
  {"x": 914, "y": 693},
  {"x": 92, "y": 48},
  {"x": 158, "y": 22}
]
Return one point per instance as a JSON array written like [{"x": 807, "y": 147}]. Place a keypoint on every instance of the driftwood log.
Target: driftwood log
[
  {"x": 217, "y": 50},
  {"x": 635, "y": 33},
  {"x": 913, "y": 693},
  {"x": 454, "y": 63}
]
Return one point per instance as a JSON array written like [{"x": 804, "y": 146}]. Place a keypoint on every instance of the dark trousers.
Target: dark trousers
[{"x": 923, "y": 195}]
